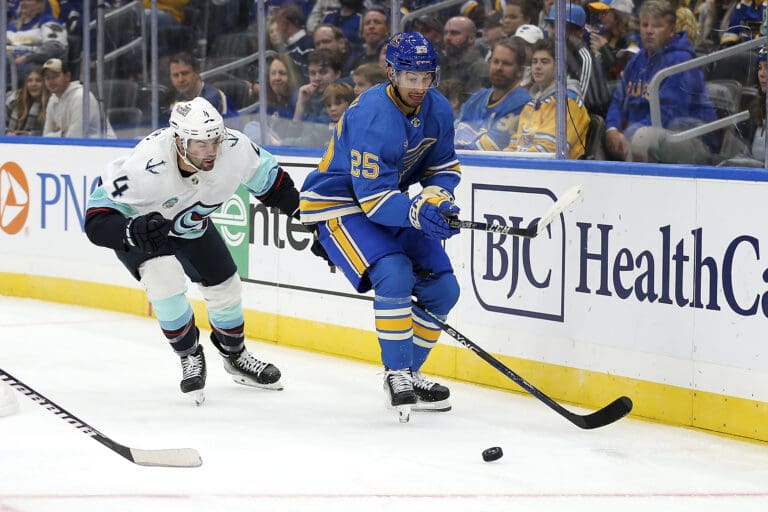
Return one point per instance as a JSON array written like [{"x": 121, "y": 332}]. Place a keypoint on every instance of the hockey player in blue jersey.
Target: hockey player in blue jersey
[{"x": 395, "y": 135}]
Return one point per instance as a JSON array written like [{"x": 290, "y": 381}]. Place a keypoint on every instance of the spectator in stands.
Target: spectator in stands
[
  {"x": 375, "y": 33},
  {"x": 543, "y": 14},
  {"x": 462, "y": 61},
  {"x": 488, "y": 116},
  {"x": 185, "y": 77},
  {"x": 453, "y": 90},
  {"x": 581, "y": 61},
  {"x": 683, "y": 96},
  {"x": 276, "y": 41},
  {"x": 169, "y": 12},
  {"x": 686, "y": 21},
  {"x": 756, "y": 137},
  {"x": 743, "y": 19},
  {"x": 432, "y": 28},
  {"x": 366, "y": 76},
  {"x": 336, "y": 99},
  {"x": 25, "y": 108},
  {"x": 349, "y": 19},
  {"x": 518, "y": 12},
  {"x": 283, "y": 86},
  {"x": 493, "y": 30},
  {"x": 35, "y": 36},
  {"x": 64, "y": 112},
  {"x": 612, "y": 35},
  {"x": 331, "y": 38},
  {"x": 324, "y": 69},
  {"x": 298, "y": 44},
  {"x": 536, "y": 130},
  {"x": 529, "y": 35},
  {"x": 473, "y": 10}
]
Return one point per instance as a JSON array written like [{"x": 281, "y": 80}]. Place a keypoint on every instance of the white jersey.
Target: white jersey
[{"x": 149, "y": 180}]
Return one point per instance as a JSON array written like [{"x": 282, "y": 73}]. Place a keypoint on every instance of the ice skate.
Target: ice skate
[
  {"x": 194, "y": 373},
  {"x": 400, "y": 394},
  {"x": 431, "y": 396},
  {"x": 247, "y": 370}
]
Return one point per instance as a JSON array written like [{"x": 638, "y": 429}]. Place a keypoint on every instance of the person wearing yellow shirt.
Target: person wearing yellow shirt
[{"x": 536, "y": 130}]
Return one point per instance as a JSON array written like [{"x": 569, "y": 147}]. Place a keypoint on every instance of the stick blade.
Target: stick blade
[
  {"x": 605, "y": 416},
  {"x": 169, "y": 458},
  {"x": 564, "y": 201}
]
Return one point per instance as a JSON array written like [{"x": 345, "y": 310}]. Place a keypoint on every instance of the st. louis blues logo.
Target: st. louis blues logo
[{"x": 415, "y": 122}]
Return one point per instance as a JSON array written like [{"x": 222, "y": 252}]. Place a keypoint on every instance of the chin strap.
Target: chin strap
[{"x": 183, "y": 155}]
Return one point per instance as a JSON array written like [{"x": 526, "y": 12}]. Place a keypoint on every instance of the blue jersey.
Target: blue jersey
[
  {"x": 488, "y": 126},
  {"x": 376, "y": 152}
]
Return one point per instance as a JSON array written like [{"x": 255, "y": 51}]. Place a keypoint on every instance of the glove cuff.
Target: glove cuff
[{"x": 128, "y": 237}]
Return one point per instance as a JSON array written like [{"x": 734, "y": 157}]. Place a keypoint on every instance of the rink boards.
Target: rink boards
[{"x": 654, "y": 286}]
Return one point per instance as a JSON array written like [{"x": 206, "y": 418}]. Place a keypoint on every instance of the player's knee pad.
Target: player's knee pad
[
  {"x": 439, "y": 293},
  {"x": 392, "y": 276},
  {"x": 163, "y": 277},
  {"x": 224, "y": 295}
]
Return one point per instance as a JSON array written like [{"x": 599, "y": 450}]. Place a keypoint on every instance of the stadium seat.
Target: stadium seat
[
  {"x": 725, "y": 95},
  {"x": 593, "y": 147},
  {"x": 237, "y": 90}
]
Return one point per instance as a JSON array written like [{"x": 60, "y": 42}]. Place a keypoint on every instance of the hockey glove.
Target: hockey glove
[
  {"x": 430, "y": 211},
  {"x": 317, "y": 248},
  {"x": 148, "y": 233}
]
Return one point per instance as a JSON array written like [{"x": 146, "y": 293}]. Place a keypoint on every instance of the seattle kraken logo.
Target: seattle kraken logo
[{"x": 193, "y": 218}]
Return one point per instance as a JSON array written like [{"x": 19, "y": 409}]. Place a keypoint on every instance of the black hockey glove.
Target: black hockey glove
[
  {"x": 318, "y": 249},
  {"x": 148, "y": 233}
]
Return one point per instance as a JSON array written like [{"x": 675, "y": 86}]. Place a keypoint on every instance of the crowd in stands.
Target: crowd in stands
[{"x": 497, "y": 68}]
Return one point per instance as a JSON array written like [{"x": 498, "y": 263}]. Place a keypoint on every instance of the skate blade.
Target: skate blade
[
  {"x": 441, "y": 406},
  {"x": 403, "y": 413},
  {"x": 245, "y": 381},
  {"x": 198, "y": 396}
]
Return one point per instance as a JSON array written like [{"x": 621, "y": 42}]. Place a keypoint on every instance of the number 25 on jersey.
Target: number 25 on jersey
[{"x": 369, "y": 161}]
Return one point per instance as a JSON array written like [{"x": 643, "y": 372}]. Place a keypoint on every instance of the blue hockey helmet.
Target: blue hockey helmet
[{"x": 411, "y": 51}]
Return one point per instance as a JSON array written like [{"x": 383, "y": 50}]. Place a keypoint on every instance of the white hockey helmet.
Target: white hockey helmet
[{"x": 197, "y": 120}]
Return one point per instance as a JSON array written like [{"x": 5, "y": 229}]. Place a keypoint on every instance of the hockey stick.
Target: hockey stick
[
  {"x": 173, "y": 457},
  {"x": 567, "y": 199},
  {"x": 600, "y": 418}
]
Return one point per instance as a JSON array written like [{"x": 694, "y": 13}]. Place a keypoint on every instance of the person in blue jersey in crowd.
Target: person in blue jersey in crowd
[
  {"x": 488, "y": 117},
  {"x": 683, "y": 96},
  {"x": 395, "y": 135}
]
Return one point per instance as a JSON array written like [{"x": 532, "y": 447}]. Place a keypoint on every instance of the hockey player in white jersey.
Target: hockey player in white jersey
[{"x": 152, "y": 208}]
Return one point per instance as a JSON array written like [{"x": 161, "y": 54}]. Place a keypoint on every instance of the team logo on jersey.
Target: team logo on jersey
[
  {"x": 193, "y": 218},
  {"x": 14, "y": 198},
  {"x": 150, "y": 167},
  {"x": 170, "y": 203},
  {"x": 415, "y": 122}
]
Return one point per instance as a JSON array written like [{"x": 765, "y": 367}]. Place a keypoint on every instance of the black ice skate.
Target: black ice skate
[
  {"x": 400, "y": 395},
  {"x": 431, "y": 396},
  {"x": 194, "y": 373},
  {"x": 245, "y": 369}
]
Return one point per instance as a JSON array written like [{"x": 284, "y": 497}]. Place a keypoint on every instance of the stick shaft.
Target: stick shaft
[{"x": 605, "y": 416}]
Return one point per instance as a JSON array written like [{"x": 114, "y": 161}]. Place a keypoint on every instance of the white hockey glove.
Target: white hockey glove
[{"x": 430, "y": 211}]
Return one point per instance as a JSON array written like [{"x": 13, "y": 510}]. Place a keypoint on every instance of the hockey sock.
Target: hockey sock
[
  {"x": 425, "y": 335},
  {"x": 177, "y": 322}
]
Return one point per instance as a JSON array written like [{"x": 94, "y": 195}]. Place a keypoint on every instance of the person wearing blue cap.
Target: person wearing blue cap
[{"x": 580, "y": 60}]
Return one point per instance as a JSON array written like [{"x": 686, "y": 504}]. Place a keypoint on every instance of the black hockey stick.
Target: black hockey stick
[
  {"x": 600, "y": 418},
  {"x": 173, "y": 457},
  {"x": 567, "y": 199}
]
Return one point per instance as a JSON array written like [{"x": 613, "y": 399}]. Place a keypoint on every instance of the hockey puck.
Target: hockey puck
[{"x": 492, "y": 454}]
